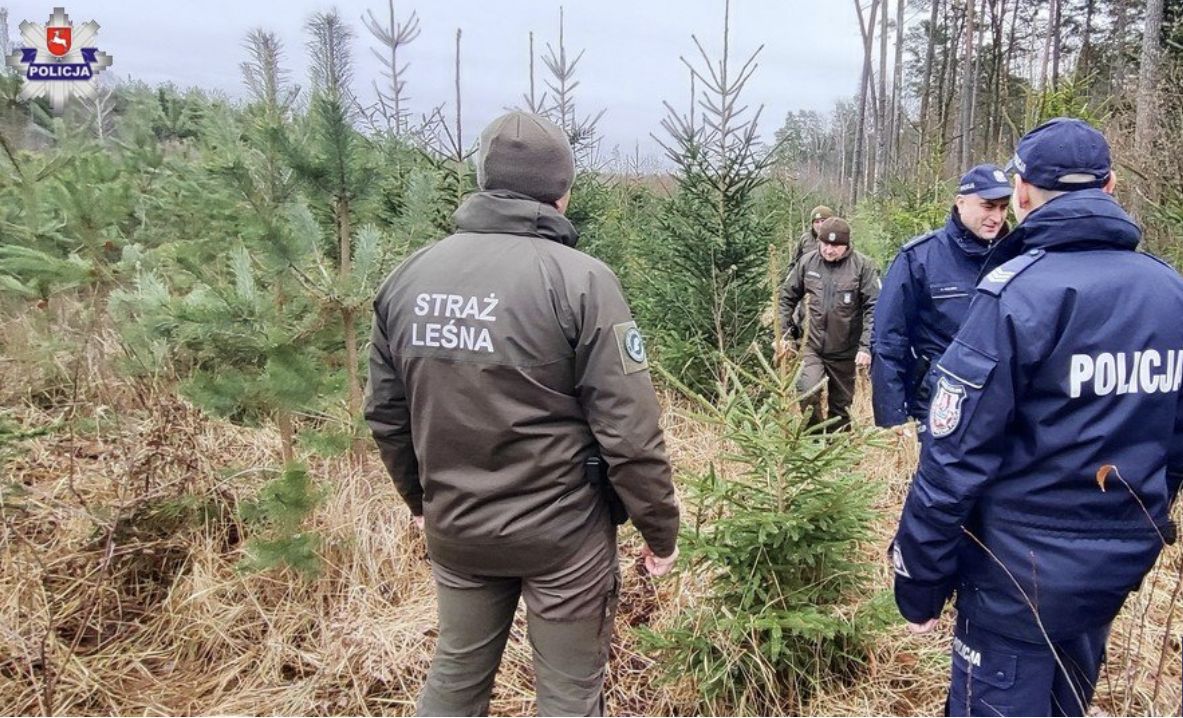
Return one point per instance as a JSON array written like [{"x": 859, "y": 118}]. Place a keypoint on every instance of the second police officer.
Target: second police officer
[{"x": 927, "y": 291}]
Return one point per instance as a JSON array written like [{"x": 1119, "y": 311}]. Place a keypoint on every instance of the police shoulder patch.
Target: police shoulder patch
[
  {"x": 944, "y": 413},
  {"x": 631, "y": 344},
  {"x": 995, "y": 281},
  {"x": 917, "y": 241}
]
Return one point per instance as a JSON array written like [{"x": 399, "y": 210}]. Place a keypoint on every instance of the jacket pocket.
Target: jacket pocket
[
  {"x": 985, "y": 663},
  {"x": 846, "y": 298}
]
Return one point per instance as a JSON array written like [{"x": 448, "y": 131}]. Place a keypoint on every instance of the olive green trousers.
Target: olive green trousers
[{"x": 569, "y": 617}]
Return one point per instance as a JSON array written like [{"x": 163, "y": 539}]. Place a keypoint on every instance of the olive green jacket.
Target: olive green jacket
[
  {"x": 502, "y": 358},
  {"x": 841, "y": 297}
]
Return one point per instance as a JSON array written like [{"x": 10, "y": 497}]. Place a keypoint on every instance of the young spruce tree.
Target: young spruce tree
[{"x": 708, "y": 287}]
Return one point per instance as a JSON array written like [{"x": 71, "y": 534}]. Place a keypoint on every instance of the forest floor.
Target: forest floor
[{"x": 119, "y": 593}]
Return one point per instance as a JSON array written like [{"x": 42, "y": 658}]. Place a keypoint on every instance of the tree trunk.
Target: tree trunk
[
  {"x": 1086, "y": 46},
  {"x": 349, "y": 320},
  {"x": 1120, "y": 27},
  {"x": 968, "y": 83},
  {"x": 948, "y": 92},
  {"x": 842, "y": 154},
  {"x": 1007, "y": 63},
  {"x": 929, "y": 58},
  {"x": 1148, "y": 81},
  {"x": 1047, "y": 51},
  {"x": 997, "y": 21},
  {"x": 881, "y": 130},
  {"x": 1057, "y": 42},
  {"x": 974, "y": 83},
  {"x": 868, "y": 31},
  {"x": 897, "y": 88}
]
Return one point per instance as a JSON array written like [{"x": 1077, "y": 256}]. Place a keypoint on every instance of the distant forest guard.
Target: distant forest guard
[
  {"x": 839, "y": 287},
  {"x": 1044, "y": 493},
  {"x": 58, "y": 61},
  {"x": 510, "y": 397}
]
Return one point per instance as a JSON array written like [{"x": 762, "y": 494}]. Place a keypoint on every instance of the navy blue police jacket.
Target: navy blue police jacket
[
  {"x": 924, "y": 299},
  {"x": 1057, "y": 433}
]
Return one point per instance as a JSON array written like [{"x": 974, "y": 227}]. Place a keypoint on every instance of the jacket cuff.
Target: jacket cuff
[
  {"x": 918, "y": 602},
  {"x": 414, "y": 502},
  {"x": 887, "y": 417},
  {"x": 662, "y": 545}
]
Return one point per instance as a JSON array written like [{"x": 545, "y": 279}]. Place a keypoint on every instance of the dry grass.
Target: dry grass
[{"x": 108, "y": 606}]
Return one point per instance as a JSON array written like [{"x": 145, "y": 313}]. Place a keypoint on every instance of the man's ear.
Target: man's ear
[
  {"x": 1111, "y": 183},
  {"x": 1022, "y": 195},
  {"x": 563, "y": 202}
]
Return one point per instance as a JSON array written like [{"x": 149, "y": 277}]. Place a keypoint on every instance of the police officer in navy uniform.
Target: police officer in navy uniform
[
  {"x": 927, "y": 291},
  {"x": 1056, "y": 450}
]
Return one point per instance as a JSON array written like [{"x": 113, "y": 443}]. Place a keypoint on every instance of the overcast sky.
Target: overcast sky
[{"x": 811, "y": 57}]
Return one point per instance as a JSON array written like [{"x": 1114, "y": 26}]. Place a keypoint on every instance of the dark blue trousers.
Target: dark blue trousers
[{"x": 994, "y": 675}]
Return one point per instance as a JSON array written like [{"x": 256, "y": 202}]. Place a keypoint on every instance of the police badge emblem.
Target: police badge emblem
[
  {"x": 944, "y": 414},
  {"x": 57, "y": 62},
  {"x": 848, "y": 298}
]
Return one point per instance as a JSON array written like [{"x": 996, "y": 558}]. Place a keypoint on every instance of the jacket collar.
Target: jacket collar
[
  {"x": 1078, "y": 221},
  {"x": 505, "y": 212}
]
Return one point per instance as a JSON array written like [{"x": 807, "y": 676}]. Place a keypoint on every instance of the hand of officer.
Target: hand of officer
[
  {"x": 863, "y": 359},
  {"x": 418, "y": 522},
  {"x": 922, "y": 627},
  {"x": 656, "y": 565},
  {"x": 782, "y": 349}
]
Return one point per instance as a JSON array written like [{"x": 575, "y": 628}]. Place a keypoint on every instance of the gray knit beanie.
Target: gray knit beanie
[{"x": 527, "y": 154}]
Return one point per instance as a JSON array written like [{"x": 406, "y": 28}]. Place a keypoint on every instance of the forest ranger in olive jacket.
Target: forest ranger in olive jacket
[
  {"x": 503, "y": 358},
  {"x": 505, "y": 372},
  {"x": 840, "y": 294}
]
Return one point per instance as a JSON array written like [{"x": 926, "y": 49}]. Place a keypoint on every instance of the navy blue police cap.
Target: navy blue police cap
[
  {"x": 986, "y": 181},
  {"x": 1063, "y": 154}
]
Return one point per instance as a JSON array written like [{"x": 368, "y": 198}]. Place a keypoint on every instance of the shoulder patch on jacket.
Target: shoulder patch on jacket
[
  {"x": 1002, "y": 275},
  {"x": 917, "y": 241},
  {"x": 631, "y": 344}
]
